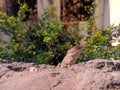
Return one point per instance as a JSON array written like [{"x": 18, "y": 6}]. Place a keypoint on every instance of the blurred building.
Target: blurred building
[{"x": 107, "y": 11}]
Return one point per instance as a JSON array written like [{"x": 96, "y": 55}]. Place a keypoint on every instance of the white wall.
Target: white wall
[
  {"x": 111, "y": 12},
  {"x": 43, "y": 4},
  {"x": 106, "y": 15},
  {"x": 114, "y": 12},
  {"x": 99, "y": 12}
]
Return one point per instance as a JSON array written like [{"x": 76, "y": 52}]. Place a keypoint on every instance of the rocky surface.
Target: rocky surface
[{"x": 92, "y": 75}]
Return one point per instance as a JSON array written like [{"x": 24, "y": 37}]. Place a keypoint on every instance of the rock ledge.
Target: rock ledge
[{"x": 96, "y": 74}]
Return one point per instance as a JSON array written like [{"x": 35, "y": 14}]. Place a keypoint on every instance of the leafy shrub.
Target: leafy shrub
[
  {"x": 47, "y": 40},
  {"x": 98, "y": 43},
  {"x": 44, "y": 42}
]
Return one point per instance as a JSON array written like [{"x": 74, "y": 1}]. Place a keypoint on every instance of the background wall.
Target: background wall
[{"x": 114, "y": 12}]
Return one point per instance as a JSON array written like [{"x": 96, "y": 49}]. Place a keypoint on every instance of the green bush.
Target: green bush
[
  {"x": 44, "y": 42},
  {"x": 98, "y": 43},
  {"x": 47, "y": 40}
]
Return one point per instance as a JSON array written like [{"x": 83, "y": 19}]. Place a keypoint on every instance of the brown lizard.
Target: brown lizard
[{"x": 71, "y": 56}]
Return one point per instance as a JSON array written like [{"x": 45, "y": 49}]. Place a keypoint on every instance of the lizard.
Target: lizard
[{"x": 71, "y": 56}]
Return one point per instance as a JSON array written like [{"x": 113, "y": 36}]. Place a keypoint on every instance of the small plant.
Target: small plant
[
  {"x": 98, "y": 43},
  {"x": 116, "y": 36}
]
